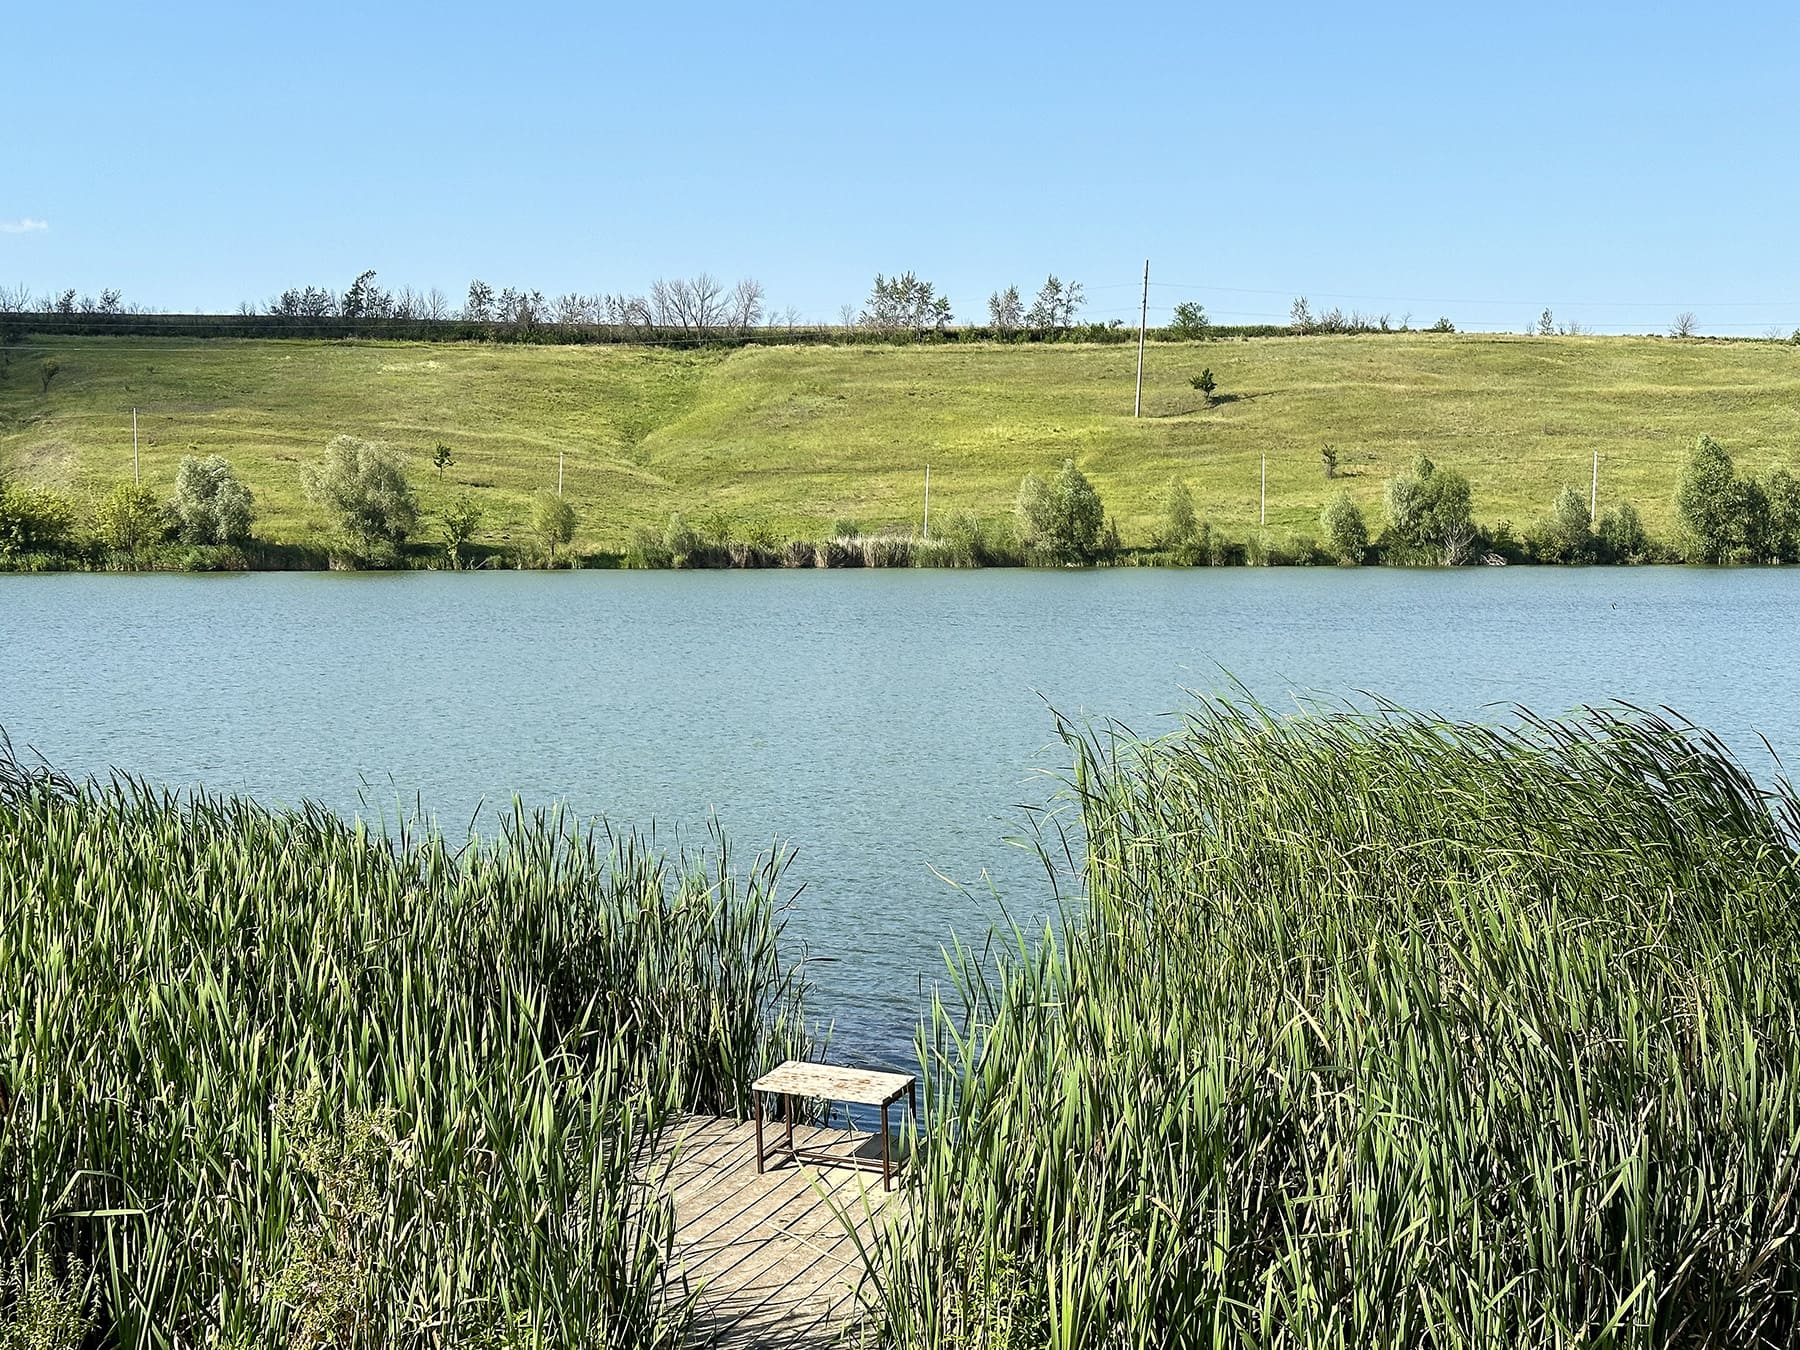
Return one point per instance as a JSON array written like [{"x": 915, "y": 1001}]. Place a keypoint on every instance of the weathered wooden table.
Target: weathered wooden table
[{"x": 831, "y": 1082}]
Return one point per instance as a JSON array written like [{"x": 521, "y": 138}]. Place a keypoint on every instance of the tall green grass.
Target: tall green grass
[
  {"x": 1379, "y": 1030},
  {"x": 268, "y": 1077}
]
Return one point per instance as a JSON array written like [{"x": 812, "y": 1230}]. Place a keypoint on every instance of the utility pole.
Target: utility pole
[
  {"x": 135, "y": 477},
  {"x": 1137, "y": 408},
  {"x": 1594, "y": 488},
  {"x": 928, "y": 501}
]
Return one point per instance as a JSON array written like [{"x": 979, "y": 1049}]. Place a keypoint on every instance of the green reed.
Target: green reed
[
  {"x": 1378, "y": 1029},
  {"x": 269, "y": 1077}
]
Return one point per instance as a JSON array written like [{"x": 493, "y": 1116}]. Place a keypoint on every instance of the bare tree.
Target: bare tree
[
  {"x": 790, "y": 316},
  {"x": 846, "y": 317},
  {"x": 1685, "y": 325},
  {"x": 15, "y": 299},
  {"x": 746, "y": 304},
  {"x": 435, "y": 305},
  {"x": 571, "y": 308}
]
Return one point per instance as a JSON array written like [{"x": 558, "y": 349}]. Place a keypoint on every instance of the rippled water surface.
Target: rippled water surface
[{"x": 891, "y": 725}]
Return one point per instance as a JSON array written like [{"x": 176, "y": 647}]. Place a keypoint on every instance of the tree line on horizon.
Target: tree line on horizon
[{"x": 899, "y": 307}]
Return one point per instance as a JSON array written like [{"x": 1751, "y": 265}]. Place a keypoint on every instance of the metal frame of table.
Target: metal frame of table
[{"x": 829, "y": 1082}]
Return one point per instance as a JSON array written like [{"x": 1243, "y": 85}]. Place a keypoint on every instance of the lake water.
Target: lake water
[{"x": 892, "y": 725}]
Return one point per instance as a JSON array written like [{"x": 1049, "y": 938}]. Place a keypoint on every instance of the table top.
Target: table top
[{"x": 866, "y": 1087}]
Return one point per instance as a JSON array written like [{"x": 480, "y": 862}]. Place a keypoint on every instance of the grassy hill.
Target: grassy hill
[{"x": 791, "y": 438}]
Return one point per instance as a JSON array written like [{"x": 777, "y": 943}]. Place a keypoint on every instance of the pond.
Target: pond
[{"x": 893, "y": 726}]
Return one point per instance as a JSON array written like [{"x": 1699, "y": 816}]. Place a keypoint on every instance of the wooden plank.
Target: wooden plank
[
  {"x": 865, "y": 1087},
  {"x": 769, "y": 1256}
]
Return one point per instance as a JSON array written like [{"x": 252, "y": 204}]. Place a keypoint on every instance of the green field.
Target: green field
[{"x": 789, "y": 439}]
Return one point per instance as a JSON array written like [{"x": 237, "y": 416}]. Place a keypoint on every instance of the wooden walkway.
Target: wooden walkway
[{"x": 769, "y": 1255}]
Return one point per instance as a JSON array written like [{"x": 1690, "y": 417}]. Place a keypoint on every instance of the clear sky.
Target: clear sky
[{"x": 1616, "y": 162}]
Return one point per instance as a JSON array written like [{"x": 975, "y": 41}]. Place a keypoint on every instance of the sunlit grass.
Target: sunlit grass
[
  {"x": 1379, "y": 1030},
  {"x": 787, "y": 440},
  {"x": 273, "y": 1076}
]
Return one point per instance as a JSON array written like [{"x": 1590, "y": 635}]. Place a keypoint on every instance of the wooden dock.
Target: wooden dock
[{"x": 769, "y": 1255}]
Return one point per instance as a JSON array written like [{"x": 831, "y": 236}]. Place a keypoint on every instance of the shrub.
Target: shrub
[
  {"x": 461, "y": 519},
  {"x": 1205, "y": 383},
  {"x": 845, "y": 528},
  {"x": 129, "y": 518},
  {"x": 647, "y": 550},
  {"x": 1621, "y": 535},
  {"x": 1443, "y": 325},
  {"x": 46, "y": 373},
  {"x": 1328, "y": 458},
  {"x": 683, "y": 542},
  {"x": 1567, "y": 536},
  {"x": 1179, "y": 521},
  {"x": 1429, "y": 518},
  {"x": 1783, "y": 491},
  {"x": 977, "y": 542},
  {"x": 1346, "y": 534},
  {"x": 552, "y": 521},
  {"x": 363, "y": 488},
  {"x": 210, "y": 505},
  {"x": 38, "y": 1311},
  {"x": 33, "y": 520},
  {"x": 1060, "y": 521}
]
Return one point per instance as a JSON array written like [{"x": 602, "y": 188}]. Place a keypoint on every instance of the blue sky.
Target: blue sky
[{"x": 1615, "y": 162}]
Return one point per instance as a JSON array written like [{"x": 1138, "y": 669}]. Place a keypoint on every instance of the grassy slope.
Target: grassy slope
[{"x": 792, "y": 438}]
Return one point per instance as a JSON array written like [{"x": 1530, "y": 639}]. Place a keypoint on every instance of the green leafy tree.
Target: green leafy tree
[
  {"x": 1060, "y": 520},
  {"x": 442, "y": 459},
  {"x": 362, "y": 486},
  {"x": 1054, "y": 309},
  {"x": 1179, "y": 520},
  {"x": 1189, "y": 321},
  {"x": 1205, "y": 383},
  {"x": 210, "y": 505},
  {"x": 48, "y": 372},
  {"x": 129, "y": 518},
  {"x": 462, "y": 518},
  {"x": 1708, "y": 499},
  {"x": 1429, "y": 516},
  {"x": 1622, "y": 536},
  {"x": 552, "y": 521},
  {"x": 905, "y": 304},
  {"x": 1006, "y": 313},
  {"x": 1784, "y": 516},
  {"x": 1568, "y": 535},
  {"x": 1346, "y": 533}
]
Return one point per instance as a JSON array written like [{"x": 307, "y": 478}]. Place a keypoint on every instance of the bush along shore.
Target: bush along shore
[
  {"x": 271, "y": 1078},
  {"x": 375, "y": 522},
  {"x": 1369, "y": 1029}
]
